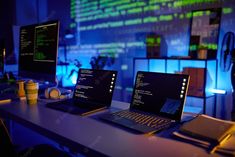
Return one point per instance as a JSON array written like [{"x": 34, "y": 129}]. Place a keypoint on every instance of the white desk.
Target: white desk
[{"x": 94, "y": 137}]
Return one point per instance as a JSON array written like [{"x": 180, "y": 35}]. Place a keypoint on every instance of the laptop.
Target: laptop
[
  {"x": 157, "y": 102},
  {"x": 8, "y": 92},
  {"x": 93, "y": 92}
]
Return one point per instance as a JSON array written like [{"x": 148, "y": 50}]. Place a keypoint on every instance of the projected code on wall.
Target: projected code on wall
[
  {"x": 119, "y": 28},
  {"x": 111, "y": 11},
  {"x": 111, "y": 14}
]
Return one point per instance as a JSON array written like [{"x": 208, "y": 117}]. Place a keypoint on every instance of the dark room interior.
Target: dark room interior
[{"x": 77, "y": 75}]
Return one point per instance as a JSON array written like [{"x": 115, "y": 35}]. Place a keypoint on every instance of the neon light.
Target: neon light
[{"x": 217, "y": 91}]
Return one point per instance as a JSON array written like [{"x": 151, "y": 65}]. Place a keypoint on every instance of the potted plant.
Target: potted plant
[{"x": 202, "y": 52}]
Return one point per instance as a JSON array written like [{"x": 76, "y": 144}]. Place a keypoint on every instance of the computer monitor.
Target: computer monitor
[{"x": 38, "y": 51}]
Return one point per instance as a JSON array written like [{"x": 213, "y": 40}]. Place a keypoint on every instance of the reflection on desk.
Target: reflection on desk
[{"x": 93, "y": 137}]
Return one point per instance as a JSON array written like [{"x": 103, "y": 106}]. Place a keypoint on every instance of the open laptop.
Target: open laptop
[
  {"x": 93, "y": 92},
  {"x": 8, "y": 92},
  {"x": 157, "y": 101}
]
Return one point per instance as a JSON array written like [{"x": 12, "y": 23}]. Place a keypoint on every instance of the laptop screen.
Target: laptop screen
[
  {"x": 94, "y": 87},
  {"x": 160, "y": 93}
]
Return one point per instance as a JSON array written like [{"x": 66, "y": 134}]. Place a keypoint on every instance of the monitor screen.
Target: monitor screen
[
  {"x": 38, "y": 51},
  {"x": 160, "y": 93},
  {"x": 95, "y": 87}
]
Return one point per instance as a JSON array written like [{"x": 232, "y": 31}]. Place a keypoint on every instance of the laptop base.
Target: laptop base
[
  {"x": 133, "y": 125},
  {"x": 69, "y": 107}
]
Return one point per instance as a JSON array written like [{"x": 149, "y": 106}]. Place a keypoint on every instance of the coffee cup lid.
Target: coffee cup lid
[{"x": 31, "y": 82}]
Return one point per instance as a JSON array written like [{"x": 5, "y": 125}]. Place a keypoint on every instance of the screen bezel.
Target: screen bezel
[
  {"x": 82, "y": 103},
  {"x": 31, "y": 74},
  {"x": 176, "y": 117}
]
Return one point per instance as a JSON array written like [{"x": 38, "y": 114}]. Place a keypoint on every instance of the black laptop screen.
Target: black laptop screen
[
  {"x": 160, "y": 93},
  {"x": 95, "y": 87}
]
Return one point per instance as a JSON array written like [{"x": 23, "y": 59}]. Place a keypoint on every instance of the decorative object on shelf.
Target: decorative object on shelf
[
  {"x": 196, "y": 85},
  {"x": 202, "y": 52}
]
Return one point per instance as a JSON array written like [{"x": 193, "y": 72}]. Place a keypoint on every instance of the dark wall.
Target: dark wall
[
  {"x": 30, "y": 11},
  {"x": 37, "y": 11},
  {"x": 7, "y": 19},
  {"x": 60, "y": 11},
  {"x": 16, "y": 13}
]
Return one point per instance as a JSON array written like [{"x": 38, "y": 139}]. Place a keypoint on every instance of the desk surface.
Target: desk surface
[{"x": 91, "y": 136}]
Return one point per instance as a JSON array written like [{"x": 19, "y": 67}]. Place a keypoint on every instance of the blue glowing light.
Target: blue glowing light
[
  {"x": 69, "y": 36},
  {"x": 218, "y": 91}
]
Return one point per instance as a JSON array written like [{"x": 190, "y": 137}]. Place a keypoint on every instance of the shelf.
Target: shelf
[
  {"x": 201, "y": 97},
  {"x": 171, "y": 58}
]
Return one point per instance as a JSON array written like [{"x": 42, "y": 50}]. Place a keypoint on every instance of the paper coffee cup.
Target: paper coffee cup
[{"x": 31, "y": 92}]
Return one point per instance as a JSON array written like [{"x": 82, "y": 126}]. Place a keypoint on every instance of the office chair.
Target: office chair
[{"x": 7, "y": 148}]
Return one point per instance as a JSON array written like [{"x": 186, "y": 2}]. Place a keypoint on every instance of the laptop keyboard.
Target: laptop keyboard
[{"x": 154, "y": 122}]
